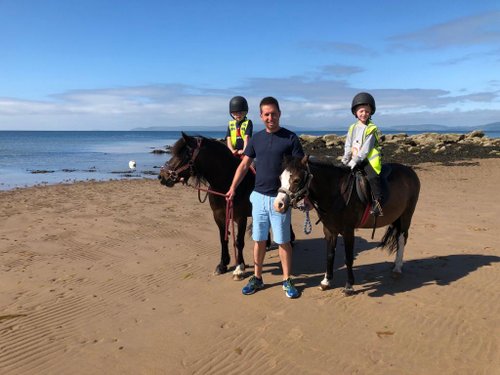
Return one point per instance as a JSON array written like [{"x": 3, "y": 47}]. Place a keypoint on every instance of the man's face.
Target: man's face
[{"x": 270, "y": 116}]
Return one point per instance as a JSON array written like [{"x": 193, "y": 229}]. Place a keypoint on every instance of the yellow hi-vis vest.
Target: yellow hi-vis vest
[
  {"x": 232, "y": 130},
  {"x": 374, "y": 157}
]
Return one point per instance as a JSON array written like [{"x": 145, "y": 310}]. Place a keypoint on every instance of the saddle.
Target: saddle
[
  {"x": 358, "y": 180},
  {"x": 363, "y": 190},
  {"x": 252, "y": 167}
]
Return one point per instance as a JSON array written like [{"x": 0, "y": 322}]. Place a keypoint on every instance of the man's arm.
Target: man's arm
[{"x": 239, "y": 175}]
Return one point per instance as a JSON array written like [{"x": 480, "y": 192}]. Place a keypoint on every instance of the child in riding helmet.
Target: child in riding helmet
[
  {"x": 362, "y": 146},
  {"x": 240, "y": 128}
]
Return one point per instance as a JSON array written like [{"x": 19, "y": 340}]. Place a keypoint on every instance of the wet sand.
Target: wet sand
[{"x": 117, "y": 277}]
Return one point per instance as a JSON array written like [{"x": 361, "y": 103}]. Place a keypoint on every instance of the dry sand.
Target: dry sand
[{"x": 116, "y": 278}]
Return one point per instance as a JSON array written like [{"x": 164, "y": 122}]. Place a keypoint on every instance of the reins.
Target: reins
[{"x": 229, "y": 217}]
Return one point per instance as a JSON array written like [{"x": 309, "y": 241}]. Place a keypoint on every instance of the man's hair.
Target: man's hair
[{"x": 269, "y": 100}]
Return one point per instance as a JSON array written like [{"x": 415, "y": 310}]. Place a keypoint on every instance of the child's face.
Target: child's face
[
  {"x": 363, "y": 113},
  {"x": 238, "y": 116}
]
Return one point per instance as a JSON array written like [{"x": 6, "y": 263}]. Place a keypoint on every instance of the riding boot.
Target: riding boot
[{"x": 377, "y": 197}]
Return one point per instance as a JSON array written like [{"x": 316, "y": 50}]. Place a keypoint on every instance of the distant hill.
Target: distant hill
[
  {"x": 417, "y": 128},
  {"x": 494, "y": 126},
  {"x": 170, "y": 128}
]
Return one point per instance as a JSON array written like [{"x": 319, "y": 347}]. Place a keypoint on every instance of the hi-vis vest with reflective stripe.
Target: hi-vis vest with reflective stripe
[
  {"x": 232, "y": 130},
  {"x": 374, "y": 157}
]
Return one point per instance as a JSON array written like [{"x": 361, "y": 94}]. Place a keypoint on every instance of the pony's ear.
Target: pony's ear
[
  {"x": 190, "y": 141},
  {"x": 305, "y": 159}
]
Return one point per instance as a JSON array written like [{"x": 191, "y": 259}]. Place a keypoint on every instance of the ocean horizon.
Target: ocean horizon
[{"x": 29, "y": 158}]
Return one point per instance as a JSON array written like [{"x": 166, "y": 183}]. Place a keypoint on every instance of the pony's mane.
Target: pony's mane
[
  {"x": 296, "y": 163},
  {"x": 321, "y": 163},
  {"x": 217, "y": 149},
  {"x": 180, "y": 144}
]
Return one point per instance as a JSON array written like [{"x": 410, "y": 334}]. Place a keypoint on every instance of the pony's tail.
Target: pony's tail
[{"x": 390, "y": 239}]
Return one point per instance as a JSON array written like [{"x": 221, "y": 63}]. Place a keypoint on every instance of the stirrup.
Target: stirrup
[{"x": 376, "y": 209}]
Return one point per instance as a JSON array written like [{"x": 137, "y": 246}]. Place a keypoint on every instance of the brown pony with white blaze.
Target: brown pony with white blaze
[{"x": 341, "y": 210}]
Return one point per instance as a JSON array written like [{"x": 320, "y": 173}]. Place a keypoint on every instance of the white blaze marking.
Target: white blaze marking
[{"x": 281, "y": 197}]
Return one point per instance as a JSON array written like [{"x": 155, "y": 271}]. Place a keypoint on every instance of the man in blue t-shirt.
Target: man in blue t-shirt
[{"x": 268, "y": 147}]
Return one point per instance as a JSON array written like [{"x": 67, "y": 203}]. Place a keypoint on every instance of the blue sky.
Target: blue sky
[{"x": 117, "y": 65}]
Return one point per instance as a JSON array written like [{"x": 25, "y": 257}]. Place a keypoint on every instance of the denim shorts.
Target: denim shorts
[{"x": 265, "y": 217}]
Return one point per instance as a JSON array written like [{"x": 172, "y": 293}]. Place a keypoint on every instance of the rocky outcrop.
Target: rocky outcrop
[{"x": 414, "y": 149}]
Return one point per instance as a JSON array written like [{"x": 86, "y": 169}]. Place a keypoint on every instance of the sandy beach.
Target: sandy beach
[{"x": 117, "y": 278}]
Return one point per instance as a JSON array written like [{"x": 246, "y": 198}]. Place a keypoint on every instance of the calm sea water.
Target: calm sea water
[{"x": 68, "y": 156}]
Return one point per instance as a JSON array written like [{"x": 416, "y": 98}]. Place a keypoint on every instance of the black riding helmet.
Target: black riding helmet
[
  {"x": 363, "y": 98},
  {"x": 238, "y": 104}
]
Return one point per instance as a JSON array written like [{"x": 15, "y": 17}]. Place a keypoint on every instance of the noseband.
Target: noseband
[
  {"x": 173, "y": 174},
  {"x": 302, "y": 191}
]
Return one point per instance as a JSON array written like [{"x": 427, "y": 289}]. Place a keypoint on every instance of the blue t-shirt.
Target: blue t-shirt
[{"x": 268, "y": 150}]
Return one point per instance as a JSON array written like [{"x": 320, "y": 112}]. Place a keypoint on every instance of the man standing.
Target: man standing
[{"x": 268, "y": 147}]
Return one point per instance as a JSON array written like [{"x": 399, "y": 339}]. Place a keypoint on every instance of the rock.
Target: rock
[
  {"x": 412, "y": 150},
  {"x": 308, "y": 138},
  {"x": 332, "y": 140},
  {"x": 475, "y": 134},
  {"x": 160, "y": 151},
  {"x": 41, "y": 171}
]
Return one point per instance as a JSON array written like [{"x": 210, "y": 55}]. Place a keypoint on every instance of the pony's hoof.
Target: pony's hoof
[
  {"x": 239, "y": 272},
  {"x": 324, "y": 286},
  {"x": 349, "y": 291},
  {"x": 238, "y": 277},
  {"x": 219, "y": 270},
  {"x": 396, "y": 275}
]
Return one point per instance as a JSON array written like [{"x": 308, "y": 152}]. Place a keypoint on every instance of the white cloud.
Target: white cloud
[
  {"x": 316, "y": 103},
  {"x": 466, "y": 31}
]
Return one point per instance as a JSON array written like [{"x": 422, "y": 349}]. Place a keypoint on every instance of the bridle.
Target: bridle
[
  {"x": 173, "y": 174},
  {"x": 302, "y": 191}
]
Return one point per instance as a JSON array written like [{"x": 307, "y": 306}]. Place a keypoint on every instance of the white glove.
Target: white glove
[
  {"x": 351, "y": 164},
  {"x": 344, "y": 161}
]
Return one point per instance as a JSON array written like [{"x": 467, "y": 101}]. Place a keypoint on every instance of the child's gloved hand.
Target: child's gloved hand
[
  {"x": 345, "y": 161},
  {"x": 351, "y": 164}
]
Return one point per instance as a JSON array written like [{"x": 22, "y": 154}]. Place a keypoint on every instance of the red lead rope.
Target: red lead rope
[{"x": 229, "y": 219}]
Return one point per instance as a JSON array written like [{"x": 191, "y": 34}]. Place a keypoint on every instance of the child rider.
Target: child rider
[
  {"x": 362, "y": 146},
  {"x": 240, "y": 128}
]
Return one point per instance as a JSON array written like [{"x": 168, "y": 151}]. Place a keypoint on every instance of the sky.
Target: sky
[{"x": 124, "y": 64}]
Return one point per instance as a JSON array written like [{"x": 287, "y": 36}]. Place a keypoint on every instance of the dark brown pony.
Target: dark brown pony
[
  {"x": 210, "y": 161},
  {"x": 331, "y": 189}
]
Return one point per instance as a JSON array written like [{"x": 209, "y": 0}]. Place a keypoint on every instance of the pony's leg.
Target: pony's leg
[
  {"x": 349, "y": 260},
  {"x": 224, "y": 251},
  {"x": 402, "y": 238},
  {"x": 398, "y": 263},
  {"x": 238, "y": 273},
  {"x": 331, "y": 244}
]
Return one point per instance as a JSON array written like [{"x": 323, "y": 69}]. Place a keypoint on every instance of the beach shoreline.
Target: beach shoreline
[
  {"x": 103, "y": 156},
  {"x": 117, "y": 277}
]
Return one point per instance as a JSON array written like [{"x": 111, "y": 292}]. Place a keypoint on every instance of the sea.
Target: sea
[{"x": 29, "y": 158}]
